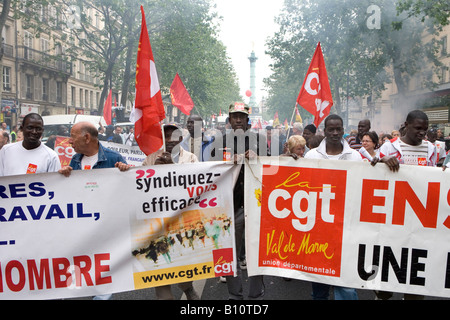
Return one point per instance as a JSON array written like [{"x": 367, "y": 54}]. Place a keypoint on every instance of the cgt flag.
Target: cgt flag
[
  {"x": 315, "y": 94},
  {"x": 148, "y": 110},
  {"x": 180, "y": 96}
]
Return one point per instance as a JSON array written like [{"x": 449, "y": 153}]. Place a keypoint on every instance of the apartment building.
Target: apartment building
[{"x": 38, "y": 75}]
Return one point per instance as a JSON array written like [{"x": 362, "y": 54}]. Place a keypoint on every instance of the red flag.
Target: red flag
[
  {"x": 107, "y": 108},
  {"x": 180, "y": 96},
  {"x": 315, "y": 95},
  {"x": 148, "y": 109},
  {"x": 259, "y": 126},
  {"x": 276, "y": 120}
]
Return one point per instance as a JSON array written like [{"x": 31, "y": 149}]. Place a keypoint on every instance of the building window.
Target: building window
[
  {"x": 7, "y": 79},
  {"x": 45, "y": 89},
  {"x": 59, "y": 87},
  {"x": 28, "y": 44},
  {"x": 44, "y": 45},
  {"x": 444, "y": 46},
  {"x": 73, "y": 96},
  {"x": 30, "y": 87}
]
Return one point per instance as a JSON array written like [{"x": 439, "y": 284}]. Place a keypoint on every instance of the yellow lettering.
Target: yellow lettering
[
  {"x": 280, "y": 247},
  {"x": 315, "y": 247},
  {"x": 301, "y": 184}
]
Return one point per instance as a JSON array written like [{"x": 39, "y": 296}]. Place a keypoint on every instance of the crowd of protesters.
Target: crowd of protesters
[{"x": 414, "y": 143}]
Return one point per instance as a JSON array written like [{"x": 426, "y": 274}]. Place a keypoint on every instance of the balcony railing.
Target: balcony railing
[{"x": 44, "y": 60}]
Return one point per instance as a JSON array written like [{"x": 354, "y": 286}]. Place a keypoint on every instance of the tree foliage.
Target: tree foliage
[
  {"x": 186, "y": 42},
  {"x": 355, "y": 52},
  {"x": 183, "y": 35},
  {"x": 438, "y": 11}
]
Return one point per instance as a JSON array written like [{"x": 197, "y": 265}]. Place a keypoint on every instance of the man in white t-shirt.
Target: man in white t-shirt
[
  {"x": 30, "y": 155},
  {"x": 411, "y": 148},
  {"x": 90, "y": 153},
  {"x": 333, "y": 147}
]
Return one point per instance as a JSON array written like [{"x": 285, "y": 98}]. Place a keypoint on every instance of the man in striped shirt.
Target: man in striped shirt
[
  {"x": 363, "y": 128},
  {"x": 411, "y": 148}
]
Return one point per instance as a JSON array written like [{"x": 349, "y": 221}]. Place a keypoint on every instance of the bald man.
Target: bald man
[{"x": 90, "y": 154}]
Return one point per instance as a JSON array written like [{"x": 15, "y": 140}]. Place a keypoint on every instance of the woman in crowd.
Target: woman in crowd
[
  {"x": 296, "y": 146},
  {"x": 370, "y": 148}
]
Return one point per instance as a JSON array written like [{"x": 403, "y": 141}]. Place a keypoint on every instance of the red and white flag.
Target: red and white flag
[
  {"x": 315, "y": 94},
  {"x": 180, "y": 96},
  {"x": 148, "y": 110}
]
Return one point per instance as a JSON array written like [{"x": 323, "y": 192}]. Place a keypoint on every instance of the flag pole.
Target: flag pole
[
  {"x": 163, "y": 136},
  {"x": 290, "y": 124}
]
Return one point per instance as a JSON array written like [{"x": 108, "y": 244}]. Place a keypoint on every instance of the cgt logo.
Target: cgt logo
[
  {"x": 302, "y": 213},
  {"x": 223, "y": 262},
  {"x": 32, "y": 168}
]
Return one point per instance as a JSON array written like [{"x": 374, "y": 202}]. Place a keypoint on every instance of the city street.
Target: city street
[{"x": 276, "y": 289}]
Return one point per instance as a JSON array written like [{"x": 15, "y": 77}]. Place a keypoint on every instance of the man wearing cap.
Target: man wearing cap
[{"x": 240, "y": 142}]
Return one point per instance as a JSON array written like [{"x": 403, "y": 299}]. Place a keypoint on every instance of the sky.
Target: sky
[{"x": 246, "y": 25}]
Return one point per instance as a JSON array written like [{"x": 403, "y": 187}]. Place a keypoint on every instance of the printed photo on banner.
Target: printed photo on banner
[{"x": 182, "y": 229}]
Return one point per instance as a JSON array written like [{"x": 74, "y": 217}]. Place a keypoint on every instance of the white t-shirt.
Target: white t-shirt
[
  {"x": 15, "y": 160},
  {"x": 414, "y": 155},
  {"x": 87, "y": 163}
]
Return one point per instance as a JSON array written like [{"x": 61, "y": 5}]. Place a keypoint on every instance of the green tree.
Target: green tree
[
  {"x": 183, "y": 35},
  {"x": 438, "y": 11},
  {"x": 185, "y": 41},
  {"x": 354, "y": 52}
]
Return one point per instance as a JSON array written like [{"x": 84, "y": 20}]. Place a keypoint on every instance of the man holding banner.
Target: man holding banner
[
  {"x": 90, "y": 152},
  {"x": 333, "y": 147},
  {"x": 30, "y": 155},
  {"x": 237, "y": 143},
  {"x": 412, "y": 149},
  {"x": 164, "y": 292}
]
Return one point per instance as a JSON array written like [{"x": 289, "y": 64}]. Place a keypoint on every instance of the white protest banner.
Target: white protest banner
[
  {"x": 104, "y": 231},
  {"x": 132, "y": 154},
  {"x": 349, "y": 224}
]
